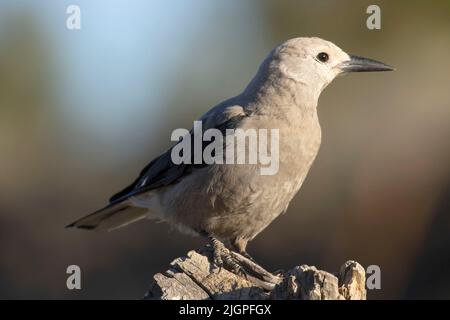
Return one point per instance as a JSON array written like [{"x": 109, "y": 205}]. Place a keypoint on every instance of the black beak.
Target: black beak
[{"x": 360, "y": 64}]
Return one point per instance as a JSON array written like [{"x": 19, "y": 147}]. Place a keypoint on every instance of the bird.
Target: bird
[{"x": 230, "y": 204}]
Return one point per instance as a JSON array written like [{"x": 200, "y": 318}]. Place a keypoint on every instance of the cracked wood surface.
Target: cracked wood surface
[{"x": 195, "y": 277}]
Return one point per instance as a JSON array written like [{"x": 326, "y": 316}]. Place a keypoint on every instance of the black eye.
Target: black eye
[{"x": 323, "y": 56}]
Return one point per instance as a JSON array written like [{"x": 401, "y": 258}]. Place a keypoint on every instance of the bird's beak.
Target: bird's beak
[{"x": 360, "y": 64}]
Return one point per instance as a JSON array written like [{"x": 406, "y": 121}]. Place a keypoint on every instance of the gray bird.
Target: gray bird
[{"x": 232, "y": 203}]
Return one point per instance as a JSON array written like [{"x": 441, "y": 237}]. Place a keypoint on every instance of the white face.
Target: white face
[
  {"x": 314, "y": 62},
  {"x": 310, "y": 61}
]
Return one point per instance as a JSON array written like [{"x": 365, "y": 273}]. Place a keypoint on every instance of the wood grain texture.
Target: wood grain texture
[{"x": 195, "y": 277}]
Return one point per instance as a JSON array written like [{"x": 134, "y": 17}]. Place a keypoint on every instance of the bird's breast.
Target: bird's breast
[{"x": 236, "y": 199}]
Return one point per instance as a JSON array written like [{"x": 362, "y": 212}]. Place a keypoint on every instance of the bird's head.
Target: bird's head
[{"x": 314, "y": 62}]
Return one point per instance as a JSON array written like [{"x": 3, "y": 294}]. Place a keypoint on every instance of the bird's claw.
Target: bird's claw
[
  {"x": 223, "y": 258},
  {"x": 249, "y": 257}
]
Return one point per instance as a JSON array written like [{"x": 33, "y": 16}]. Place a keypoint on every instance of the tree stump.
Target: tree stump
[{"x": 195, "y": 277}]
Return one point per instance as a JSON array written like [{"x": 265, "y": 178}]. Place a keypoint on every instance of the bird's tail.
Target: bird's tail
[{"x": 111, "y": 217}]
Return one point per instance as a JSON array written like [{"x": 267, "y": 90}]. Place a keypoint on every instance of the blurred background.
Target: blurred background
[{"x": 82, "y": 111}]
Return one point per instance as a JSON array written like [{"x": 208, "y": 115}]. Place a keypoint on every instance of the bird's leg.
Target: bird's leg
[
  {"x": 239, "y": 264},
  {"x": 239, "y": 245},
  {"x": 249, "y": 264},
  {"x": 222, "y": 257}
]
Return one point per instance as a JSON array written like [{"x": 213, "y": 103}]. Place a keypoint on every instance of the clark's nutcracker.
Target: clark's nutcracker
[{"x": 232, "y": 203}]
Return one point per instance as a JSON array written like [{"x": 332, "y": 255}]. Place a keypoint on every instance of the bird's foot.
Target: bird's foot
[
  {"x": 242, "y": 265},
  {"x": 255, "y": 272},
  {"x": 223, "y": 258},
  {"x": 249, "y": 257}
]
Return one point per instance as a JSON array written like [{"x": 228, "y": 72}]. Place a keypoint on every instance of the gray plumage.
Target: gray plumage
[{"x": 235, "y": 202}]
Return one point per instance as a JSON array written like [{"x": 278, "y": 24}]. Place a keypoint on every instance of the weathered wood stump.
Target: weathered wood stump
[{"x": 195, "y": 277}]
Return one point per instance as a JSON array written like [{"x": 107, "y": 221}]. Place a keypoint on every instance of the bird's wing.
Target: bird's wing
[{"x": 161, "y": 171}]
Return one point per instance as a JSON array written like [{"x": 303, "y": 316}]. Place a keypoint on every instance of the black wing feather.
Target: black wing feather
[{"x": 161, "y": 171}]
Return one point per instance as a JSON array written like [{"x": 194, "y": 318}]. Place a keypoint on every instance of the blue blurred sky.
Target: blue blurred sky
[{"x": 115, "y": 73}]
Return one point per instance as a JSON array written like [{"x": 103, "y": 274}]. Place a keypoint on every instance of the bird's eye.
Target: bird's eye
[{"x": 323, "y": 56}]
